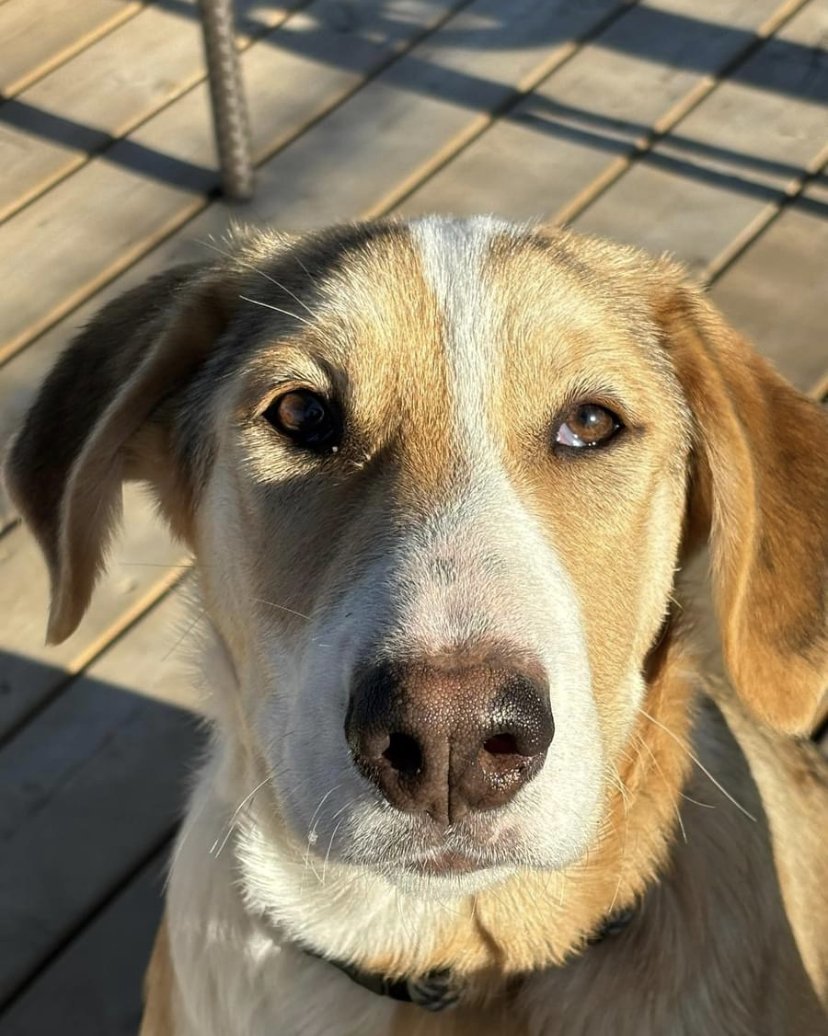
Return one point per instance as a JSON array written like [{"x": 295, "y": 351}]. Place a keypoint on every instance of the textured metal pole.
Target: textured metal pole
[{"x": 227, "y": 94}]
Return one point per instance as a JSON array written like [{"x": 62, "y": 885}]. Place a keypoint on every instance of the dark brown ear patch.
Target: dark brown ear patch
[
  {"x": 73, "y": 398},
  {"x": 72, "y": 454}
]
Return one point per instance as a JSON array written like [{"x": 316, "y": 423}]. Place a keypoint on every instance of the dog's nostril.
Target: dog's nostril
[
  {"x": 404, "y": 754},
  {"x": 501, "y": 744}
]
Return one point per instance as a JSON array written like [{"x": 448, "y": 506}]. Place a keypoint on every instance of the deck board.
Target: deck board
[
  {"x": 698, "y": 197},
  {"x": 659, "y": 211},
  {"x": 775, "y": 294},
  {"x": 581, "y": 126},
  {"x": 765, "y": 124},
  {"x": 495, "y": 107},
  {"x": 31, "y": 46},
  {"x": 139, "y": 572},
  {"x": 92, "y": 782},
  {"x": 69, "y": 995},
  {"x": 403, "y": 124},
  {"x": 52, "y": 127}
]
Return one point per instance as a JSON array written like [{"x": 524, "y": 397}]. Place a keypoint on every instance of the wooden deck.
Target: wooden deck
[{"x": 694, "y": 127}]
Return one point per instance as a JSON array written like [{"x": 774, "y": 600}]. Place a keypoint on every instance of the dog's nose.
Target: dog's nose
[{"x": 447, "y": 741}]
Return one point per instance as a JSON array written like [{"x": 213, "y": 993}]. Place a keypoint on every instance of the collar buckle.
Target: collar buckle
[{"x": 433, "y": 991}]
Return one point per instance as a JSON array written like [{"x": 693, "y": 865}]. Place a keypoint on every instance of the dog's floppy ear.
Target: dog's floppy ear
[
  {"x": 760, "y": 486},
  {"x": 69, "y": 460}
]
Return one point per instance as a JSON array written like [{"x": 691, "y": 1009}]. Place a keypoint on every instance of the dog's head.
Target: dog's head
[{"x": 437, "y": 477}]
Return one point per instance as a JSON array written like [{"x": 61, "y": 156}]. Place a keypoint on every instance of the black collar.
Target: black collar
[
  {"x": 434, "y": 991},
  {"x": 437, "y": 990}
]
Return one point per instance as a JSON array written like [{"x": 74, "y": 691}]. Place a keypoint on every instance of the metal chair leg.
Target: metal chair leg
[{"x": 227, "y": 94}]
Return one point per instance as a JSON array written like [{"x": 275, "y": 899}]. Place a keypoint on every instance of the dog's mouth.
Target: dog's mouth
[
  {"x": 445, "y": 862},
  {"x": 467, "y": 849}
]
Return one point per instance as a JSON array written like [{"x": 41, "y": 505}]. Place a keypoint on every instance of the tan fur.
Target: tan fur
[
  {"x": 727, "y": 872},
  {"x": 766, "y": 482}
]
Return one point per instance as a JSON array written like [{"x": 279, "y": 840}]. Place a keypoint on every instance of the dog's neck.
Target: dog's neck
[{"x": 528, "y": 921}]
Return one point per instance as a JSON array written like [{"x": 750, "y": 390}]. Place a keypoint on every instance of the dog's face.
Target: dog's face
[
  {"x": 418, "y": 492},
  {"x": 434, "y": 475}
]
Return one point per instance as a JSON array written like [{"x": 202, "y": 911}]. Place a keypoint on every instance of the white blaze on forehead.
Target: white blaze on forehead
[{"x": 454, "y": 254}]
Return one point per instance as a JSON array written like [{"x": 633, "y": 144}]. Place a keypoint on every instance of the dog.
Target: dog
[{"x": 441, "y": 479}]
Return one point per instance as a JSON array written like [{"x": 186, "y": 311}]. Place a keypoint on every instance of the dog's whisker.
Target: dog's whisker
[
  {"x": 330, "y": 846},
  {"x": 322, "y": 802},
  {"x": 623, "y": 791},
  {"x": 704, "y": 805},
  {"x": 153, "y": 564},
  {"x": 614, "y": 899},
  {"x": 311, "y": 826},
  {"x": 217, "y": 852},
  {"x": 190, "y": 627},
  {"x": 336, "y": 817},
  {"x": 700, "y": 765},
  {"x": 302, "y": 266},
  {"x": 282, "y": 608},
  {"x": 310, "y": 867},
  {"x": 643, "y": 744},
  {"x": 680, "y": 823},
  {"x": 276, "y": 309}
]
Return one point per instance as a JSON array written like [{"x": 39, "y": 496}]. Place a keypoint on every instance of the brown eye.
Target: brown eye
[
  {"x": 307, "y": 419},
  {"x": 587, "y": 425}
]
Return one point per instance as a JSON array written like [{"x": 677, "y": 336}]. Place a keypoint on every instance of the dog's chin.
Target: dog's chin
[
  {"x": 443, "y": 876},
  {"x": 442, "y": 868}
]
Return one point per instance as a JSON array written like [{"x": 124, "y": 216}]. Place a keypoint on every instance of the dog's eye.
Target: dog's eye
[
  {"x": 307, "y": 419},
  {"x": 587, "y": 425}
]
